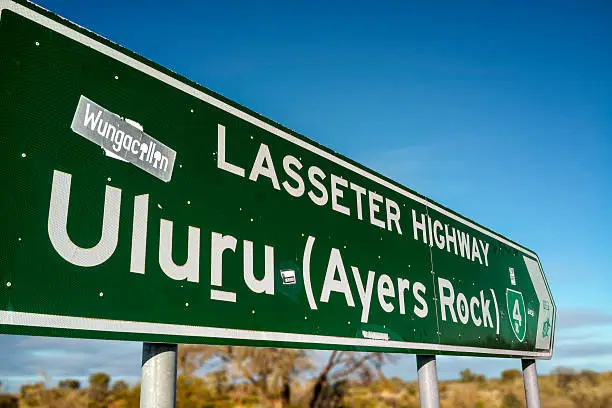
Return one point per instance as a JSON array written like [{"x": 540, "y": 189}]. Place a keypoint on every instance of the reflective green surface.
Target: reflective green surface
[{"x": 42, "y": 76}]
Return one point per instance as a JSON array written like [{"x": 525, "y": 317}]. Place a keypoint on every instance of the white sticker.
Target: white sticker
[
  {"x": 288, "y": 276},
  {"x": 512, "y": 278},
  {"x": 122, "y": 139}
]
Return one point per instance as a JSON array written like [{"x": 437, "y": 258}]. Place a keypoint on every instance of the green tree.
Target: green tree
[
  {"x": 69, "y": 384},
  {"x": 98, "y": 389},
  {"x": 273, "y": 373},
  {"x": 32, "y": 394},
  {"x": 192, "y": 392},
  {"x": 120, "y": 389},
  {"x": 342, "y": 366},
  {"x": 218, "y": 381},
  {"x": 468, "y": 376},
  {"x": 9, "y": 401},
  {"x": 269, "y": 371}
]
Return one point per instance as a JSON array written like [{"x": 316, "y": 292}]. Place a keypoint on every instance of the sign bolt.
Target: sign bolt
[
  {"x": 8, "y": 284},
  {"x": 23, "y": 155},
  {"x": 37, "y": 43},
  {"x": 101, "y": 294}
]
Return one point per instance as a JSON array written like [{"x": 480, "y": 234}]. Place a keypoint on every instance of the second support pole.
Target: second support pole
[
  {"x": 428, "y": 381},
  {"x": 158, "y": 382},
  {"x": 530, "y": 379}
]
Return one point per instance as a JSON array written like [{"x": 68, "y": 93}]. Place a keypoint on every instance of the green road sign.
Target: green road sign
[{"x": 142, "y": 206}]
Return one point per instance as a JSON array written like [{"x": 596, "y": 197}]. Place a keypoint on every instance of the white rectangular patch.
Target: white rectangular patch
[
  {"x": 512, "y": 277},
  {"x": 122, "y": 140}
]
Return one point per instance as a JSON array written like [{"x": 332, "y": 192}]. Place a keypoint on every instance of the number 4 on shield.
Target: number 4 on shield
[{"x": 516, "y": 311}]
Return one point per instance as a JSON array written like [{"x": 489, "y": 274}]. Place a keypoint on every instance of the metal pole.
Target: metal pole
[
  {"x": 530, "y": 379},
  {"x": 428, "y": 381},
  {"x": 158, "y": 383}
]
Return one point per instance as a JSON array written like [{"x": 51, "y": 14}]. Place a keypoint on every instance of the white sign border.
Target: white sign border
[{"x": 123, "y": 326}]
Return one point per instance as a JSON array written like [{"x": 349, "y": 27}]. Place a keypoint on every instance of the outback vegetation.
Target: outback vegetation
[{"x": 226, "y": 376}]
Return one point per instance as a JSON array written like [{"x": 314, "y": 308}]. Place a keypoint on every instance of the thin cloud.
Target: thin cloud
[
  {"x": 25, "y": 358},
  {"x": 575, "y": 318},
  {"x": 584, "y": 349}
]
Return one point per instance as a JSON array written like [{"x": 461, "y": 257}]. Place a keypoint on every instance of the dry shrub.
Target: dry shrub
[
  {"x": 562, "y": 389},
  {"x": 462, "y": 396},
  {"x": 587, "y": 394},
  {"x": 510, "y": 400},
  {"x": 9, "y": 401}
]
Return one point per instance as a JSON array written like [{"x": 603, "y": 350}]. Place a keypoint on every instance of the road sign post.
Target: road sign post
[
  {"x": 158, "y": 379},
  {"x": 428, "y": 381},
  {"x": 530, "y": 380}
]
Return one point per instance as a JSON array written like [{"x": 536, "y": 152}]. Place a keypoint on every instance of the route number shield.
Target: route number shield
[{"x": 516, "y": 313}]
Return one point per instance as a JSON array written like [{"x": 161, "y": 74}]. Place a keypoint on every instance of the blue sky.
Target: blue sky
[{"x": 500, "y": 111}]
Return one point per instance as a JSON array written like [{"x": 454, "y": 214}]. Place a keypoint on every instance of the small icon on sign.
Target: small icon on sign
[
  {"x": 288, "y": 276},
  {"x": 545, "y": 304},
  {"x": 546, "y": 328},
  {"x": 530, "y": 312},
  {"x": 512, "y": 277}
]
